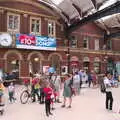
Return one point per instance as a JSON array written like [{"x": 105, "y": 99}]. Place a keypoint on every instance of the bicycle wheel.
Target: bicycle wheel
[{"x": 24, "y": 97}]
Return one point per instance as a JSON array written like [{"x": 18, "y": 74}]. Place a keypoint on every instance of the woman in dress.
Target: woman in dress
[{"x": 67, "y": 92}]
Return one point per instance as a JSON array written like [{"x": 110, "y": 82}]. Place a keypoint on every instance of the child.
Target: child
[
  {"x": 48, "y": 92},
  {"x": 11, "y": 92},
  {"x": 1, "y": 96},
  {"x": 1, "y": 92},
  {"x": 35, "y": 89}
]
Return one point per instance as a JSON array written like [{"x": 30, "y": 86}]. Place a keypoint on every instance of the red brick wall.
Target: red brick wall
[
  {"x": 24, "y": 7},
  {"x": 92, "y": 31},
  {"x": 116, "y": 44}
]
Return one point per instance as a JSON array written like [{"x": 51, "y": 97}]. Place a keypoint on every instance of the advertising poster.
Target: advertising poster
[
  {"x": 25, "y": 41},
  {"x": 45, "y": 69}
]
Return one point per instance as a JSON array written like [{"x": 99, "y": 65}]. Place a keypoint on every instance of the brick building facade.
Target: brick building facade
[{"x": 86, "y": 43}]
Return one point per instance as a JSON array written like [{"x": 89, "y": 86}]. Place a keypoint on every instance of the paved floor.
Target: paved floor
[{"x": 88, "y": 106}]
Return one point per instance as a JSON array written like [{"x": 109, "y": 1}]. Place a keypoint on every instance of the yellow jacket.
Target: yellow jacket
[{"x": 2, "y": 87}]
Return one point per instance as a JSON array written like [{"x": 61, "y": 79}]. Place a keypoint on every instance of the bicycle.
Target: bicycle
[{"x": 26, "y": 95}]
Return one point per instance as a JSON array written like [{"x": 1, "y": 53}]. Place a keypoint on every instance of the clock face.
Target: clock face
[{"x": 5, "y": 40}]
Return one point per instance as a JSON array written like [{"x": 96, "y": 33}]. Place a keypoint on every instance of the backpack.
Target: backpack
[{"x": 102, "y": 88}]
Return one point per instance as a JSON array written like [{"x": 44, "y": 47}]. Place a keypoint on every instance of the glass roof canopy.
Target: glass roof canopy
[{"x": 71, "y": 10}]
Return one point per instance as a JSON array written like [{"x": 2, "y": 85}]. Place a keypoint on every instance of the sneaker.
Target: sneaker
[
  {"x": 58, "y": 101},
  {"x": 2, "y": 104},
  {"x": 69, "y": 106},
  {"x": 53, "y": 108},
  {"x": 63, "y": 106},
  {"x": 47, "y": 114},
  {"x": 50, "y": 113}
]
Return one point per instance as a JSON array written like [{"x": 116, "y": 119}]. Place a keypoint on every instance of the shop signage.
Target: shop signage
[
  {"x": 51, "y": 70},
  {"x": 35, "y": 42},
  {"x": 74, "y": 63},
  {"x": 5, "y": 40},
  {"x": 64, "y": 70},
  {"x": 45, "y": 69},
  {"x": 74, "y": 58}
]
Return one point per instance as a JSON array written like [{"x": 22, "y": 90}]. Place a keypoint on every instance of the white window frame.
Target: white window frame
[
  {"x": 97, "y": 44},
  {"x": 86, "y": 38},
  {"x": 35, "y": 18},
  {"x": 76, "y": 42},
  {"x": 54, "y": 32},
  {"x": 13, "y": 30}
]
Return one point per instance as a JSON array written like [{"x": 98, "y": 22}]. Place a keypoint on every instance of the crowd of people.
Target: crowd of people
[{"x": 46, "y": 89}]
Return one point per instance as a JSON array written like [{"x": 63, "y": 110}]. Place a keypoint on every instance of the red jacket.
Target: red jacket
[
  {"x": 48, "y": 92},
  {"x": 34, "y": 81}
]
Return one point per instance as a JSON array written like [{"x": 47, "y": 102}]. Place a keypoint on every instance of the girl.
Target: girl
[{"x": 48, "y": 93}]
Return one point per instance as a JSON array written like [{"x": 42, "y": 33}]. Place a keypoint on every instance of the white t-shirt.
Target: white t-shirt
[
  {"x": 107, "y": 84},
  {"x": 11, "y": 88},
  {"x": 76, "y": 78}
]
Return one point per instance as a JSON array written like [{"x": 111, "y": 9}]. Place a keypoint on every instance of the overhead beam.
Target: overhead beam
[
  {"x": 94, "y": 3},
  {"x": 113, "y": 35},
  {"x": 78, "y": 9},
  {"x": 114, "y": 8}
]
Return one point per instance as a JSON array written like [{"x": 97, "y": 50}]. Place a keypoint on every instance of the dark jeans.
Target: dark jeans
[
  {"x": 81, "y": 84},
  {"x": 89, "y": 82},
  {"x": 47, "y": 106},
  {"x": 11, "y": 96},
  {"x": 35, "y": 92},
  {"x": 42, "y": 96},
  {"x": 109, "y": 100}
]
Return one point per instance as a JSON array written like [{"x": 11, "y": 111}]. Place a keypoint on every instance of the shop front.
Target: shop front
[{"x": 74, "y": 63}]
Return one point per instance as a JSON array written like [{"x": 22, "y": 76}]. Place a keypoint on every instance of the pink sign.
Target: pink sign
[{"x": 27, "y": 40}]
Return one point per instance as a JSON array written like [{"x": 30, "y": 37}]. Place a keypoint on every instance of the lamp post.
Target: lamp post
[
  {"x": 68, "y": 59},
  {"x": 105, "y": 61},
  {"x": 68, "y": 52}
]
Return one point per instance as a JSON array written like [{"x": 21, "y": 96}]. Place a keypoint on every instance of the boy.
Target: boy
[{"x": 11, "y": 92}]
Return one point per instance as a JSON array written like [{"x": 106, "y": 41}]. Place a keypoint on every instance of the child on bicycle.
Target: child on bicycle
[
  {"x": 35, "y": 88},
  {"x": 26, "y": 82}
]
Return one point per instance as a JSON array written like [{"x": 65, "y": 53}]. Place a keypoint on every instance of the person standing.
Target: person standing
[
  {"x": 48, "y": 93},
  {"x": 76, "y": 83},
  {"x": 89, "y": 79},
  {"x": 67, "y": 92},
  {"x": 94, "y": 79},
  {"x": 56, "y": 81},
  {"x": 11, "y": 92},
  {"x": 109, "y": 97}
]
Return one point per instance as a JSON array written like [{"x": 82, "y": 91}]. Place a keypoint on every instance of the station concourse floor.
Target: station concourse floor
[{"x": 89, "y": 105}]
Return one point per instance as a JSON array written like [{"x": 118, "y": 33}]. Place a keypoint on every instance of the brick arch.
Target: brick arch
[
  {"x": 32, "y": 53},
  {"x": 14, "y": 52},
  {"x": 52, "y": 54},
  {"x": 35, "y": 4}
]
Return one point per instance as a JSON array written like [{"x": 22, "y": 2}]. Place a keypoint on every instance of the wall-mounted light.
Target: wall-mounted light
[
  {"x": 36, "y": 59},
  {"x": 13, "y": 62}
]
